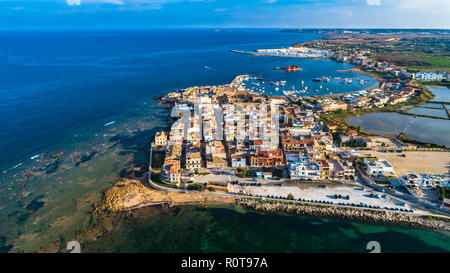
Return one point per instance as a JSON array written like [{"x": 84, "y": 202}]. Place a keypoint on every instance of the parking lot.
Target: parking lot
[
  {"x": 357, "y": 196},
  {"x": 228, "y": 175}
]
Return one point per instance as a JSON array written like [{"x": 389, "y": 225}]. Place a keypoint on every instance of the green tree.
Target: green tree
[
  {"x": 290, "y": 196},
  {"x": 196, "y": 187}
]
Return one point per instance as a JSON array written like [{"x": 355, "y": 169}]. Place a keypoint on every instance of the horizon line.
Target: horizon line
[{"x": 220, "y": 27}]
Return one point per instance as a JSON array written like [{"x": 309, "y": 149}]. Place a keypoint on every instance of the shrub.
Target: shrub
[
  {"x": 196, "y": 187},
  {"x": 290, "y": 196}
]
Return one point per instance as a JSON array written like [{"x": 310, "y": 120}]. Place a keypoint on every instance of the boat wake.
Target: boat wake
[
  {"x": 110, "y": 123},
  {"x": 18, "y": 165},
  {"x": 223, "y": 71}
]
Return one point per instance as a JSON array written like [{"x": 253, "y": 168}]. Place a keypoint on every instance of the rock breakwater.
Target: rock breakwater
[{"x": 376, "y": 216}]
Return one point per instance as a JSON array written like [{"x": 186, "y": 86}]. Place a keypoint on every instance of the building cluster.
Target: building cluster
[
  {"x": 429, "y": 76},
  {"x": 229, "y": 126},
  {"x": 375, "y": 98},
  {"x": 302, "y": 52},
  {"x": 219, "y": 128},
  {"x": 424, "y": 181}
]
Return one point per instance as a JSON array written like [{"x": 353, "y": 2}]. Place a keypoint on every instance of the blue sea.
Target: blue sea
[
  {"x": 76, "y": 111},
  {"x": 57, "y": 82}
]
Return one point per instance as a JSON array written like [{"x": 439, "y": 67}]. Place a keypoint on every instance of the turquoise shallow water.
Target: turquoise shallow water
[
  {"x": 85, "y": 98},
  {"x": 233, "y": 229}
]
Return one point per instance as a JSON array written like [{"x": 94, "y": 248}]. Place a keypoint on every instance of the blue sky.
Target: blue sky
[{"x": 224, "y": 13}]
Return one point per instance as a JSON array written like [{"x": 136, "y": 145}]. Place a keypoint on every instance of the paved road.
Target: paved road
[
  {"x": 412, "y": 200},
  {"x": 364, "y": 179}
]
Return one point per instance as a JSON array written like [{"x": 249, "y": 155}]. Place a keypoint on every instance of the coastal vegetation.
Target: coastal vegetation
[
  {"x": 443, "y": 82},
  {"x": 403, "y": 138},
  {"x": 157, "y": 159},
  {"x": 157, "y": 180},
  {"x": 444, "y": 193},
  {"x": 412, "y": 51},
  {"x": 195, "y": 187},
  {"x": 416, "y": 61},
  {"x": 355, "y": 143},
  {"x": 196, "y": 172},
  {"x": 244, "y": 172},
  {"x": 422, "y": 97},
  {"x": 382, "y": 182},
  {"x": 433, "y": 217}
]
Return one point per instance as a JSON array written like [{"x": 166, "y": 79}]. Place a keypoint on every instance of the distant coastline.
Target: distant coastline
[{"x": 274, "y": 55}]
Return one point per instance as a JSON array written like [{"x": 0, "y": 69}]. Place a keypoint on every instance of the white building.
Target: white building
[
  {"x": 379, "y": 167},
  {"x": 424, "y": 181},
  {"x": 238, "y": 161},
  {"x": 429, "y": 76},
  {"x": 304, "y": 170},
  {"x": 193, "y": 161}
]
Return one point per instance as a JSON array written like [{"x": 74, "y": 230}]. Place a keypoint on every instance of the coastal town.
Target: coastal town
[
  {"x": 225, "y": 135},
  {"x": 230, "y": 140}
]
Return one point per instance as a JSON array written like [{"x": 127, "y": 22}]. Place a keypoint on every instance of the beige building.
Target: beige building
[
  {"x": 193, "y": 161},
  {"x": 160, "y": 139}
]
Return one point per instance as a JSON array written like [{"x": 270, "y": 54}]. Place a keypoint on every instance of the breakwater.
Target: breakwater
[{"x": 347, "y": 213}]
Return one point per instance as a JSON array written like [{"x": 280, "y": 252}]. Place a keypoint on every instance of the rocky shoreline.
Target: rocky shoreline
[
  {"x": 376, "y": 216},
  {"x": 130, "y": 194}
]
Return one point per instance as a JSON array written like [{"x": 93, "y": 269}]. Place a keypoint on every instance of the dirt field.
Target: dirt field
[{"x": 416, "y": 162}]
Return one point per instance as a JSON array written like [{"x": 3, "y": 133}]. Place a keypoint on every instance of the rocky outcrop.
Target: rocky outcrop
[
  {"x": 128, "y": 194},
  {"x": 349, "y": 213},
  {"x": 123, "y": 192}
]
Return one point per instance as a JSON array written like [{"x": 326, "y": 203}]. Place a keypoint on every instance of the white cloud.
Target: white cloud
[
  {"x": 425, "y": 5},
  {"x": 73, "y": 2},
  {"x": 131, "y": 3},
  {"x": 220, "y": 10},
  {"x": 115, "y": 2},
  {"x": 373, "y": 2}
]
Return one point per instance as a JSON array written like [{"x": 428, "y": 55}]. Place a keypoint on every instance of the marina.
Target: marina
[{"x": 323, "y": 85}]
